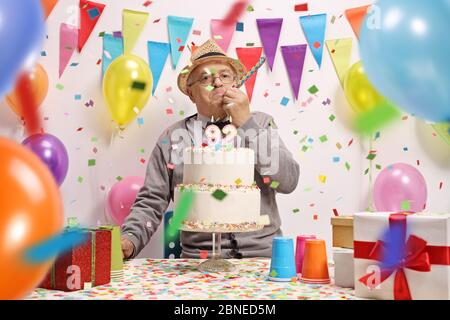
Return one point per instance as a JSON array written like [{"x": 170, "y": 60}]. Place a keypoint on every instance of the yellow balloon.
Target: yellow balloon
[
  {"x": 127, "y": 86},
  {"x": 360, "y": 93}
]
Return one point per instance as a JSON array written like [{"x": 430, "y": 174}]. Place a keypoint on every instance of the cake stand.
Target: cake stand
[{"x": 216, "y": 263}]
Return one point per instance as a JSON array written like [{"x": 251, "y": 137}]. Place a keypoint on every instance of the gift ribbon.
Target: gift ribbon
[{"x": 415, "y": 255}]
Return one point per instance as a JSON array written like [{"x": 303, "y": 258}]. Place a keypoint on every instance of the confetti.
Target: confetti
[
  {"x": 336, "y": 159},
  {"x": 323, "y": 138},
  {"x": 284, "y": 101},
  {"x": 197, "y": 32},
  {"x": 322, "y": 178},
  {"x": 336, "y": 213},
  {"x": 274, "y": 184},
  {"x": 266, "y": 180},
  {"x": 138, "y": 85},
  {"x": 301, "y": 7},
  {"x": 91, "y": 162},
  {"x": 332, "y": 117},
  {"x": 405, "y": 205},
  {"x": 219, "y": 194},
  {"x": 313, "y": 90},
  {"x": 80, "y": 179},
  {"x": 59, "y": 86},
  {"x": 296, "y": 210},
  {"x": 77, "y": 97},
  {"x": 203, "y": 254},
  {"x": 240, "y": 26},
  {"x": 371, "y": 156},
  {"x": 347, "y": 166},
  {"x": 93, "y": 13},
  {"x": 147, "y": 3},
  {"x": 238, "y": 181}
]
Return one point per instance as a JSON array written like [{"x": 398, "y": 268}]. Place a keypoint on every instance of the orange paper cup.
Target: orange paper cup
[{"x": 315, "y": 263}]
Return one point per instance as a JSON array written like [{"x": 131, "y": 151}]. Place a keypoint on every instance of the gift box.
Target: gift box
[
  {"x": 116, "y": 253},
  {"x": 342, "y": 227},
  {"x": 421, "y": 269},
  {"x": 344, "y": 275},
  {"x": 84, "y": 266}
]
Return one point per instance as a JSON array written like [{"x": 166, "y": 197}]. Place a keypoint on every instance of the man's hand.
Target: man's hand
[
  {"x": 236, "y": 105},
  {"x": 127, "y": 248}
]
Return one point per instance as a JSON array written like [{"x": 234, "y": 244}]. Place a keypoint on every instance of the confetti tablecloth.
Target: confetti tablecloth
[{"x": 180, "y": 279}]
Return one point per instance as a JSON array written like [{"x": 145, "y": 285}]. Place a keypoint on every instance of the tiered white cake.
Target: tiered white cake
[{"x": 227, "y": 172}]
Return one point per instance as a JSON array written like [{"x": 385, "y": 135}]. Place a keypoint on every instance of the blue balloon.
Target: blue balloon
[
  {"x": 22, "y": 31},
  {"x": 405, "y": 49}
]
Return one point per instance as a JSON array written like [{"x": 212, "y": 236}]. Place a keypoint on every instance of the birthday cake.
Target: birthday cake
[{"x": 226, "y": 198}]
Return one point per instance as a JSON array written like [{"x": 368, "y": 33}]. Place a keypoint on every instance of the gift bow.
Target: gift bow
[{"x": 415, "y": 257}]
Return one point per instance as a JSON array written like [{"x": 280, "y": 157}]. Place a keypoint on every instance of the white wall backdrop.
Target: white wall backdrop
[{"x": 345, "y": 190}]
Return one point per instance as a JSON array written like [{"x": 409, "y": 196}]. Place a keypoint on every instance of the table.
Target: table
[{"x": 179, "y": 279}]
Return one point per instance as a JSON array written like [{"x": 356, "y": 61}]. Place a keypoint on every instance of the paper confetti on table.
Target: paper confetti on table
[
  {"x": 180, "y": 279},
  {"x": 322, "y": 178}
]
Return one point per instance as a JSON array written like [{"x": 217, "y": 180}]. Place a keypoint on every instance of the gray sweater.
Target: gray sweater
[{"x": 258, "y": 133}]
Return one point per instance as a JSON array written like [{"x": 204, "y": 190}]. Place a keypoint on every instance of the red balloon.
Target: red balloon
[{"x": 30, "y": 212}]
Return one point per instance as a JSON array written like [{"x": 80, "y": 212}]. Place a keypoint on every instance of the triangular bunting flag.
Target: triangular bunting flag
[
  {"x": 90, "y": 12},
  {"x": 48, "y": 6},
  {"x": 133, "y": 24},
  {"x": 179, "y": 29},
  {"x": 314, "y": 28},
  {"x": 269, "y": 32},
  {"x": 356, "y": 16},
  {"x": 294, "y": 59},
  {"x": 222, "y": 33},
  {"x": 157, "y": 57},
  {"x": 249, "y": 57},
  {"x": 68, "y": 38},
  {"x": 340, "y": 52},
  {"x": 112, "y": 49}
]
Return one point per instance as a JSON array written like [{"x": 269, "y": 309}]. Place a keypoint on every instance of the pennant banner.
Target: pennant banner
[
  {"x": 132, "y": 25},
  {"x": 356, "y": 17},
  {"x": 249, "y": 57},
  {"x": 68, "y": 39},
  {"x": 222, "y": 33},
  {"x": 48, "y": 6},
  {"x": 90, "y": 12},
  {"x": 179, "y": 29},
  {"x": 340, "y": 52},
  {"x": 314, "y": 28},
  {"x": 157, "y": 57},
  {"x": 112, "y": 49},
  {"x": 269, "y": 32},
  {"x": 294, "y": 59}
]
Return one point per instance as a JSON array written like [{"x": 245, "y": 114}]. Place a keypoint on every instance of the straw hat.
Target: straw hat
[{"x": 208, "y": 51}]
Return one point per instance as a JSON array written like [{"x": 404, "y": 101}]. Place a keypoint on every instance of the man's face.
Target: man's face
[{"x": 207, "y": 84}]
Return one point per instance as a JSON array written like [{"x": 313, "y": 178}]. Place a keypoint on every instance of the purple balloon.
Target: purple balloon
[
  {"x": 397, "y": 184},
  {"x": 52, "y": 152}
]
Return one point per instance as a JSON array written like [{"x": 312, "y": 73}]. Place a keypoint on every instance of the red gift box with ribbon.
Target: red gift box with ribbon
[
  {"x": 421, "y": 265},
  {"x": 84, "y": 266}
]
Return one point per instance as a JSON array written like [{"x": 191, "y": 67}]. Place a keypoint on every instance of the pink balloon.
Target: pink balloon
[
  {"x": 121, "y": 198},
  {"x": 398, "y": 183}
]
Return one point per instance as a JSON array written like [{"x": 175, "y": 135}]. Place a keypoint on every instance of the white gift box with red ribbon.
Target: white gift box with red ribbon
[{"x": 423, "y": 268}]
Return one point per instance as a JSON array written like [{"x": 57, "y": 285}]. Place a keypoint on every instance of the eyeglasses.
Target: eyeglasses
[{"x": 226, "y": 77}]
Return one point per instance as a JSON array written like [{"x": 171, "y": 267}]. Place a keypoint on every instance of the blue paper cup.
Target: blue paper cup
[{"x": 282, "y": 265}]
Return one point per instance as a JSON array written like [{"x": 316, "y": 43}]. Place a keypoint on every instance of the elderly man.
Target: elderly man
[{"x": 210, "y": 82}]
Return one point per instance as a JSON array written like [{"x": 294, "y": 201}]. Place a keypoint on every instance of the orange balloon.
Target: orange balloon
[
  {"x": 38, "y": 81},
  {"x": 30, "y": 212}
]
